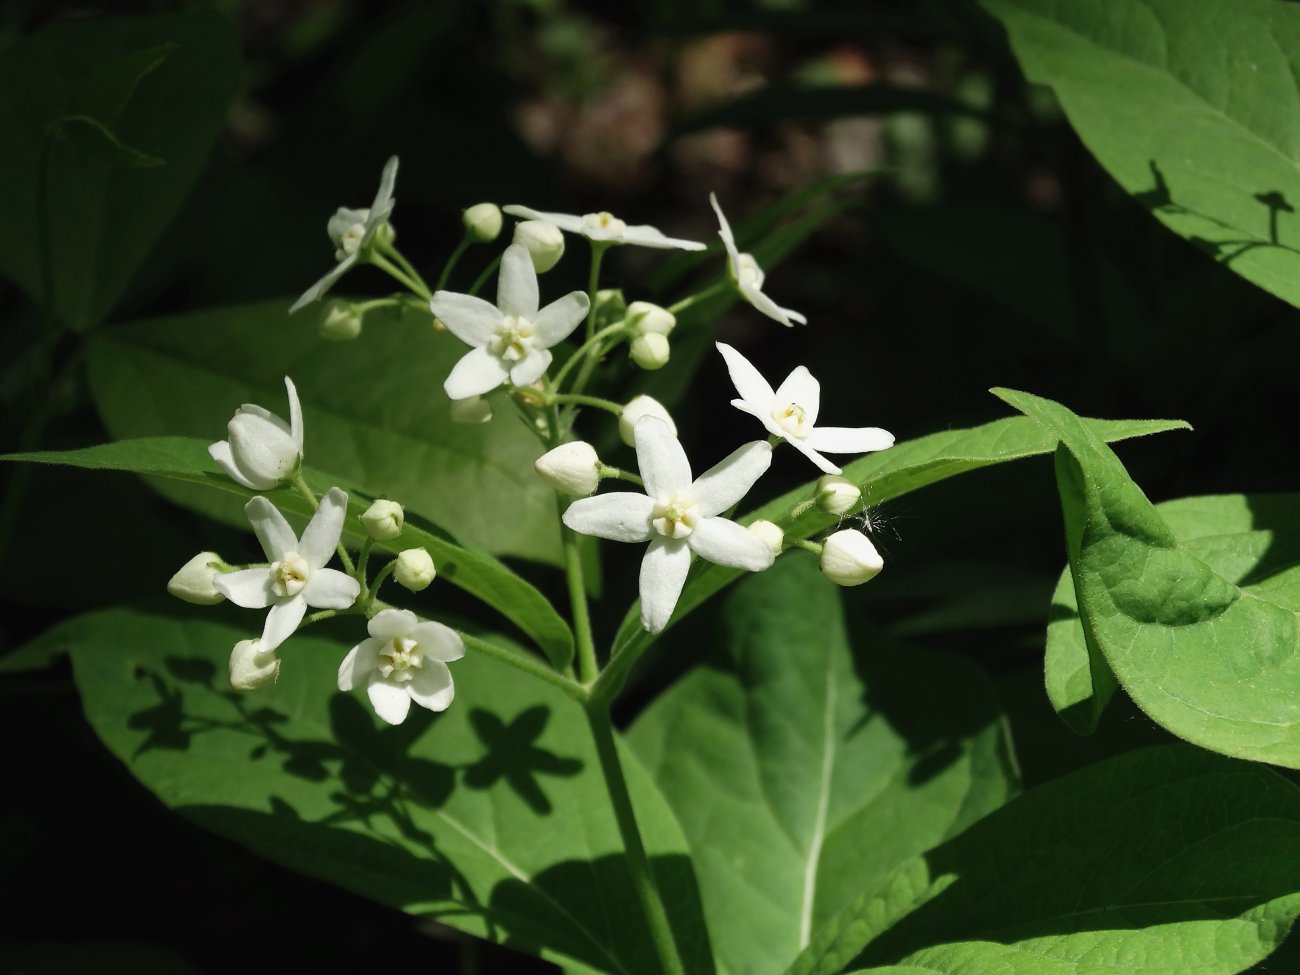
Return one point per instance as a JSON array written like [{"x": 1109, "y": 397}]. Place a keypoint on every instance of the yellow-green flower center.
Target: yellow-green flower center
[
  {"x": 399, "y": 657},
  {"x": 792, "y": 418},
  {"x": 289, "y": 576},
  {"x": 514, "y": 338},
  {"x": 674, "y": 517}
]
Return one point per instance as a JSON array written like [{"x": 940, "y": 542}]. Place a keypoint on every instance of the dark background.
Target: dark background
[{"x": 992, "y": 251}]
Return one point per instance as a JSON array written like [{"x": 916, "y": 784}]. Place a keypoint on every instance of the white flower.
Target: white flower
[
  {"x": 404, "y": 660},
  {"x": 849, "y": 559},
  {"x": 606, "y": 227},
  {"x": 352, "y": 232},
  {"x": 251, "y": 666},
  {"x": 193, "y": 580},
  {"x": 677, "y": 516},
  {"x": 543, "y": 241},
  {"x": 383, "y": 520},
  {"x": 791, "y": 413},
  {"x": 637, "y": 407},
  {"x": 511, "y": 339},
  {"x": 748, "y": 276},
  {"x": 482, "y": 222},
  {"x": 837, "y": 495},
  {"x": 263, "y": 451},
  {"x": 297, "y": 577},
  {"x": 571, "y": 468},
  {"x": 415, "y": 570}
]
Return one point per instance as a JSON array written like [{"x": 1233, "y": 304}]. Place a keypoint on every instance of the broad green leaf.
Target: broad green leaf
[
  {"x": 186, "y": 459},
  {"x": 1209, "y": 654},
  {"x": 811, "y": 757},
  {"x": 374, "y": 412},
  {"x": 889, "y": 474},
  {"x": 491, "y": 817},
  {"x": 1192, "y": 107},
  {"x": 1251, "y": 540},
  {"x": 139, "y": 88},
  {"x": 1165, "y": 860}
]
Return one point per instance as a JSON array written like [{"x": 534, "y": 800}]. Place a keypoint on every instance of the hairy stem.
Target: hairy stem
[{"x": 414, "y": 283}]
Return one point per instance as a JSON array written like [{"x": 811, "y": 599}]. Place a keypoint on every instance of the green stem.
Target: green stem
[
  {"x": 588, "y": 669},
  {"x": 481, "y": 280},
  {"x": 638, "y": 864},
  {"x": 699, "y": 296},
  {"x": 387, "y": 266},
  {"x": 806, "y": 545},
  {"x": 596, "y": 401},
  {"x": 619, "y": 474},
  {"x": 452, "y": 261},
  {"x": 362, "y": 558},
  {"x": 380, "y": 579},
  {"x": 598, "y": 249},
  {"x": 526, "y": 664},
  {"x": 301, "y": 487},
  {"x": 588, "y": 348}
]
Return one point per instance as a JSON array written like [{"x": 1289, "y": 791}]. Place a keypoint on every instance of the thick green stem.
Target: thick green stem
[{"x": 638, "y": 864}]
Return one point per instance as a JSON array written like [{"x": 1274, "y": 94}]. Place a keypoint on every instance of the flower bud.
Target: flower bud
[
  {"x": 383, "y": 520},
  {"x": 262, "y": 451},
  {"x": 193, "y": 582},
  {"x": 251, "y": 667},
  {"x": 482, "y": 222},
  {"x": 532, "y": 395},
  {"x": 571, "y": 468},
  {"x": 849, "y": 558},
  {"x": 414, "y": 569},
  {"x": 771, "y": 533},
  {"x": 474, "y": 409},
  {"x": 636, "y": 408},
  {"x": 544, "y": 242},
  {"x": 650, "y": 351},
  {"x": 385, "y": 234},
  {"x": 837, "y": 495},
  {"x": 611, "y": 307},
  {"x": 340, "y": 322},
  {"x": 650, "y": 319}
]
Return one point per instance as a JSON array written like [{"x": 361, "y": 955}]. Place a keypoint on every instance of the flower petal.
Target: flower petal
[
  {"x": 281, "y": 621},
  {"x": 767, "y": 306},
  {"x": 749, "y": 382},
  {"x": 822, "y": 463},
  {"x": 556, "y": 321},
  {"x": 331, "y": 589},
  {"x": 357, "y": 665},
  {"x": 797, "y": 317},
  {"x": 322, "y": 534},
  {"x": 565, "y": 221},
  {"x": 438, "y": 641},
  {"x": 390, "y": 701},
  {"x": 225, "y": 458},
  {"x": 643, "y": 235},
  {"x": 249, "y": 588},
  {"x": 432, "y": 687},
  {"x": 726, "y": 543},
  {"x": 471, "y": 319},
  {"x": 849, "y": 440},
  {"x": 724, "y": 484},
  {"x": 477, "y": 372},
  {"x": 660, "y": 458},
  {"x": 530, "y": 368},
  {"x": 803, "y": 388},
  {"x": 382, "y": 208},
  {"x": 663, "y": 573},
  {"x": 295, "y": 413},
  {"x": 317, "y": 290},
  {"x": 724, "y": 231},
  {"x": 272, "y": 530},
  {"x": 765, "y": 417},
  {"x": 621, "y": 516},
  {"x": 517, "y": 283},
  {"x": 388, "y": 624}
]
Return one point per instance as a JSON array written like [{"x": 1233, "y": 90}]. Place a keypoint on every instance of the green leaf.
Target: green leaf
[
  {"x": 810, "y": 757},
  {"x": 889, "y": 474},
  {"x": 1210, "y": 657},
  {"x": 126, "y": 90},
  {"x": 374, "y": 412},
  {"x": 1191, "y": 107},
  {"x": 1165, "y": 860},
  {"x": 186, "y": 459},
  {"x": 1250, "y": 540},
  {"x": 491, "y": 817}
]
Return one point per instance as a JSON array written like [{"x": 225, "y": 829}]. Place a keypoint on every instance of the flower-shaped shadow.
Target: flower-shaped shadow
[{"x": 514, "y": 755}]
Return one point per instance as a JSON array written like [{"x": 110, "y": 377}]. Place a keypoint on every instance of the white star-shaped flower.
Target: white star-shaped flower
[
  {"x": 352, "y": 231},
  {"x": 790, "y": 412},
  {"x": 677, "y": 516},
  {"x": 263, "y": 451},
  {"x": 744, "y": 270},
  {"x": 297, "y": 577},
  {"x": 404, "y": 660},
  {"x": 511, "y": 339},
  {"x": 606, "y": 228}
]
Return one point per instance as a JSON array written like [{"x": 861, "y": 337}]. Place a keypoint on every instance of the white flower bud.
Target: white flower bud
[
  {"x": 543, "y": 241},
  {"x": 837, "y": 495},
  {"x": 473, "y": 409},
  {"x": 251, "y": 667},
  {"x": 650, "y": 319},
  {"x": 849, "y": 558},
  {"x": 415, "y": 569},
  {"x": 386, "y": 234},
  {"x": 771, "y": 533},
  {"x": 650, "y": 351},
  {"x": 482, "y": 222},
  {"x": 571, "y": 468},
  {"x": 383, "y": 520},
  {"x": 636, "y": 408},
  {"x": 193, "y": 582},
  {"x": 340, "y": 322},
  {"x": 263, "y": 451}
]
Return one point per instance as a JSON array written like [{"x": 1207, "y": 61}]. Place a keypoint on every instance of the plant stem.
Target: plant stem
[
  {"x": 588, "y": 669},
  {"x": 451, "y": 262},
  {"x": 527, "y": 664},
  {"x": 596, "y": 401},
  {"x": 380, "y": 578},
  {"x": 586, "y": 349},
  {"x": 638, "y": 864},
  {"x": 417, "y": 286},
  {"x": 598, "y": 249},
  {"x": 689, "y": 300},
  {"x": 482, "y": 278}
]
